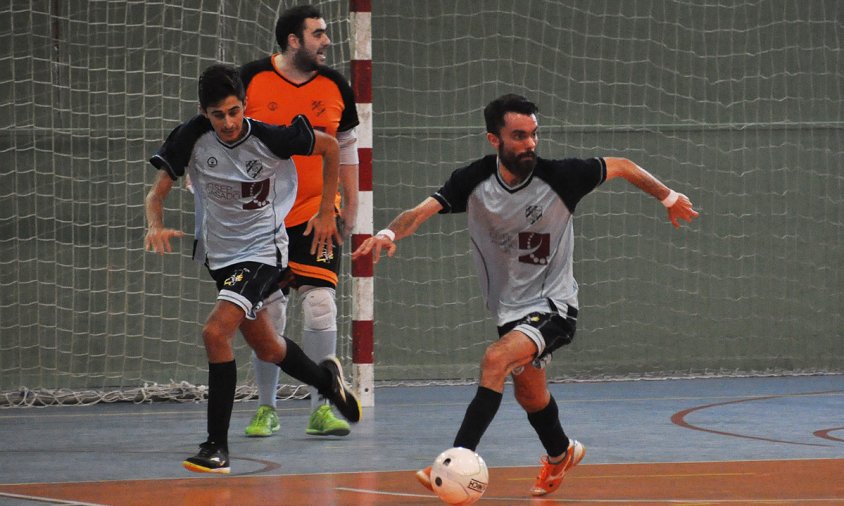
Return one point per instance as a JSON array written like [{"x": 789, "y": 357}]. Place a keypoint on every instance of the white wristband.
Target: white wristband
[
  {"x": 671, "y": 199},
  {"x": 388, "y": 234}
]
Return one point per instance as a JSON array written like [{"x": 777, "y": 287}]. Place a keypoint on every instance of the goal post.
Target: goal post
[{"x": 363, "y": 289}]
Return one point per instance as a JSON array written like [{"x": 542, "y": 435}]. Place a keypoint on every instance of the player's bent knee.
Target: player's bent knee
[
  {"x": 272, "y": 355},
  {"x": 212, "y": 336},
  {"x": 216, "y": 342},
  {"x": 495, "y": 363},
  {"x": 319, "y": 309}
]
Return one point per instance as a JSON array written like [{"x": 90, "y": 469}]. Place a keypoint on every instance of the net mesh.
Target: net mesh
[
  {"x": 736, "y": 103},
  {"x": 90, "y": 89}
]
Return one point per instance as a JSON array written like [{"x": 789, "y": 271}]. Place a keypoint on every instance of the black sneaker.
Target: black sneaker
[
  {"x": 210, "y": 459},
  {"x": 339, "y": 393}
]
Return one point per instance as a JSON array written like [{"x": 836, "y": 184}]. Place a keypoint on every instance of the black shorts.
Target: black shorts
[
  {"x": 321, "y": 269},
  {"x": 549, "y": 331},
  {"x": 246, "y": 284}
]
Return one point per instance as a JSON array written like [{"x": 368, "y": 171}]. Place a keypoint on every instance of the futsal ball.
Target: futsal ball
[{"x": 459, "y": 476}]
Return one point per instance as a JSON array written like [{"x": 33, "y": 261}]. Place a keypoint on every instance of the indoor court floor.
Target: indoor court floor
[{"x": 766, "y": 440}]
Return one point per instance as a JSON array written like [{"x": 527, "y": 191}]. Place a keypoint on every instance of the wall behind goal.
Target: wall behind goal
[{"x": 737, "y": 104}]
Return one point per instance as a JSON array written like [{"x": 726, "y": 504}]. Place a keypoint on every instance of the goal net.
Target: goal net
[
  {"x": 89, "y": 90},
  {"x": 737, "y": 104}
]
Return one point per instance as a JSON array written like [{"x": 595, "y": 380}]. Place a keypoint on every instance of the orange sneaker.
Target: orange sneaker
[
  {"x": 551, "y": 475},
  {"x": 424, "y": 477}
]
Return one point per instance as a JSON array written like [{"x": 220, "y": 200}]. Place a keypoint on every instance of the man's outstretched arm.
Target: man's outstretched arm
[
  {"x": 403, "y": 225},
  {"x": 678, "y": 205}
]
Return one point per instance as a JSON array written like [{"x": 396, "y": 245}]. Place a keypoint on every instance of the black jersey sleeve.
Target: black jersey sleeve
[
  {"x": 174, "y": 155},
  {"x": 284, "y": 141},
  {"x": 349, "y": 118},
  {"x": 454, "y": 194},
  {"x": 573, "y": 178},
  {"x": 253, "y": 68}
]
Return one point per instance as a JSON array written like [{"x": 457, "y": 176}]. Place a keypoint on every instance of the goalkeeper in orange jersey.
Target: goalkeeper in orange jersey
[
  {"x": 520, "y": 211},
  {"x": 278, "y": 88}
]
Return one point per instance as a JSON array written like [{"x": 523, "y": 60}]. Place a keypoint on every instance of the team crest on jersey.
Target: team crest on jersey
[
  {"x": 254, "y": 168},
  {"x": 533, "y": 214},
  {"x": 236, "y": 277}
]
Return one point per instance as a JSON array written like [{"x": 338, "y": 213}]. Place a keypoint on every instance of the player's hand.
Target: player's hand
[
  {"x": 157, "y": 239},
  {"x": 377, "y": 243},
  {"x": 347, "y": 219},
  {"x": 324, "y": 227},
  {"x": 681, "y": 210}
]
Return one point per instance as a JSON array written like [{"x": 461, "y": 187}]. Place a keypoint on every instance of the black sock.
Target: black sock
[
  {"x": 222, "y": 380},
  {"x": 546, "y": 423},
  {"x": 299, "y": 366},
  {"x": 478, "y": 416}
]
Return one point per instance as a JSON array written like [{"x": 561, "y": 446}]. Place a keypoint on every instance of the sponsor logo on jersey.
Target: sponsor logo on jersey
[
  {"x": 272, "y": 106},
  {"x": 536, "y": 248},
  {"x": 503, "y": 240},
  {"x": 220, "y": 191},
  {"x": 258, "y": 192},
  {"x": 533, "y": 214},
  {"x": 212, "y": 162}
]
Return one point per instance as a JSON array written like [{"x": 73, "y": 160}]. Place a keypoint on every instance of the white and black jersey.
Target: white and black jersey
[
  {"x": 522, "y": 237},
  {"x": 242, "y": 191}
]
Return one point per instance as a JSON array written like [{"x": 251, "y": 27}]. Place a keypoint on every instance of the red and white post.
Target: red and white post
[{"x": 363, "y": 293}]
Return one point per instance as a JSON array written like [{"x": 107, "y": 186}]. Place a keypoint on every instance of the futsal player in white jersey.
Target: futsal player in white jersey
[
  {"x": 520, "y": 210},
  {"x": 244, "y": 184}
]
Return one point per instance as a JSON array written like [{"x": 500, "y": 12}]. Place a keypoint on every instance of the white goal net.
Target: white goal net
[
  {"x": 736, "y": 103},
  {"x": 89, "y": 90}
]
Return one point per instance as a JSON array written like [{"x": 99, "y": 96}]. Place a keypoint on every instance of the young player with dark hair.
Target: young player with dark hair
[
  {"x": 244, "y": 184},
  {"x": 520, "y": 209}
]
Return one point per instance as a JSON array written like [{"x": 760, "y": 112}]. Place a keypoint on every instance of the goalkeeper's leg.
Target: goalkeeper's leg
[
  {"x": 265, "y": 422},
  {"x": 319, "y": 340}
]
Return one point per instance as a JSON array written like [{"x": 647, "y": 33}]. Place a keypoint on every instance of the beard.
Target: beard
[
  {"x": 520, "y": 165},
  {"x": 305, "y": 61}
]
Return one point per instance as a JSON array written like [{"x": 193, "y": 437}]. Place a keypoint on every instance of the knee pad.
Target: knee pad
[
  {"x": 276, "y": 308},
  {"x": 319, "y": 309}
]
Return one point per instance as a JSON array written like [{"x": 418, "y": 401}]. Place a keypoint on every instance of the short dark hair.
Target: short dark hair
[
  {"x": 293, "y": 21},
  {"x": 494, "y": 111},
  {"x": 217, "y": 83}
]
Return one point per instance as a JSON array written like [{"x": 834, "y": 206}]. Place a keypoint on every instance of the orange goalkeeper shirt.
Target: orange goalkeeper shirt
[{"x": 326, "y": 100}]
